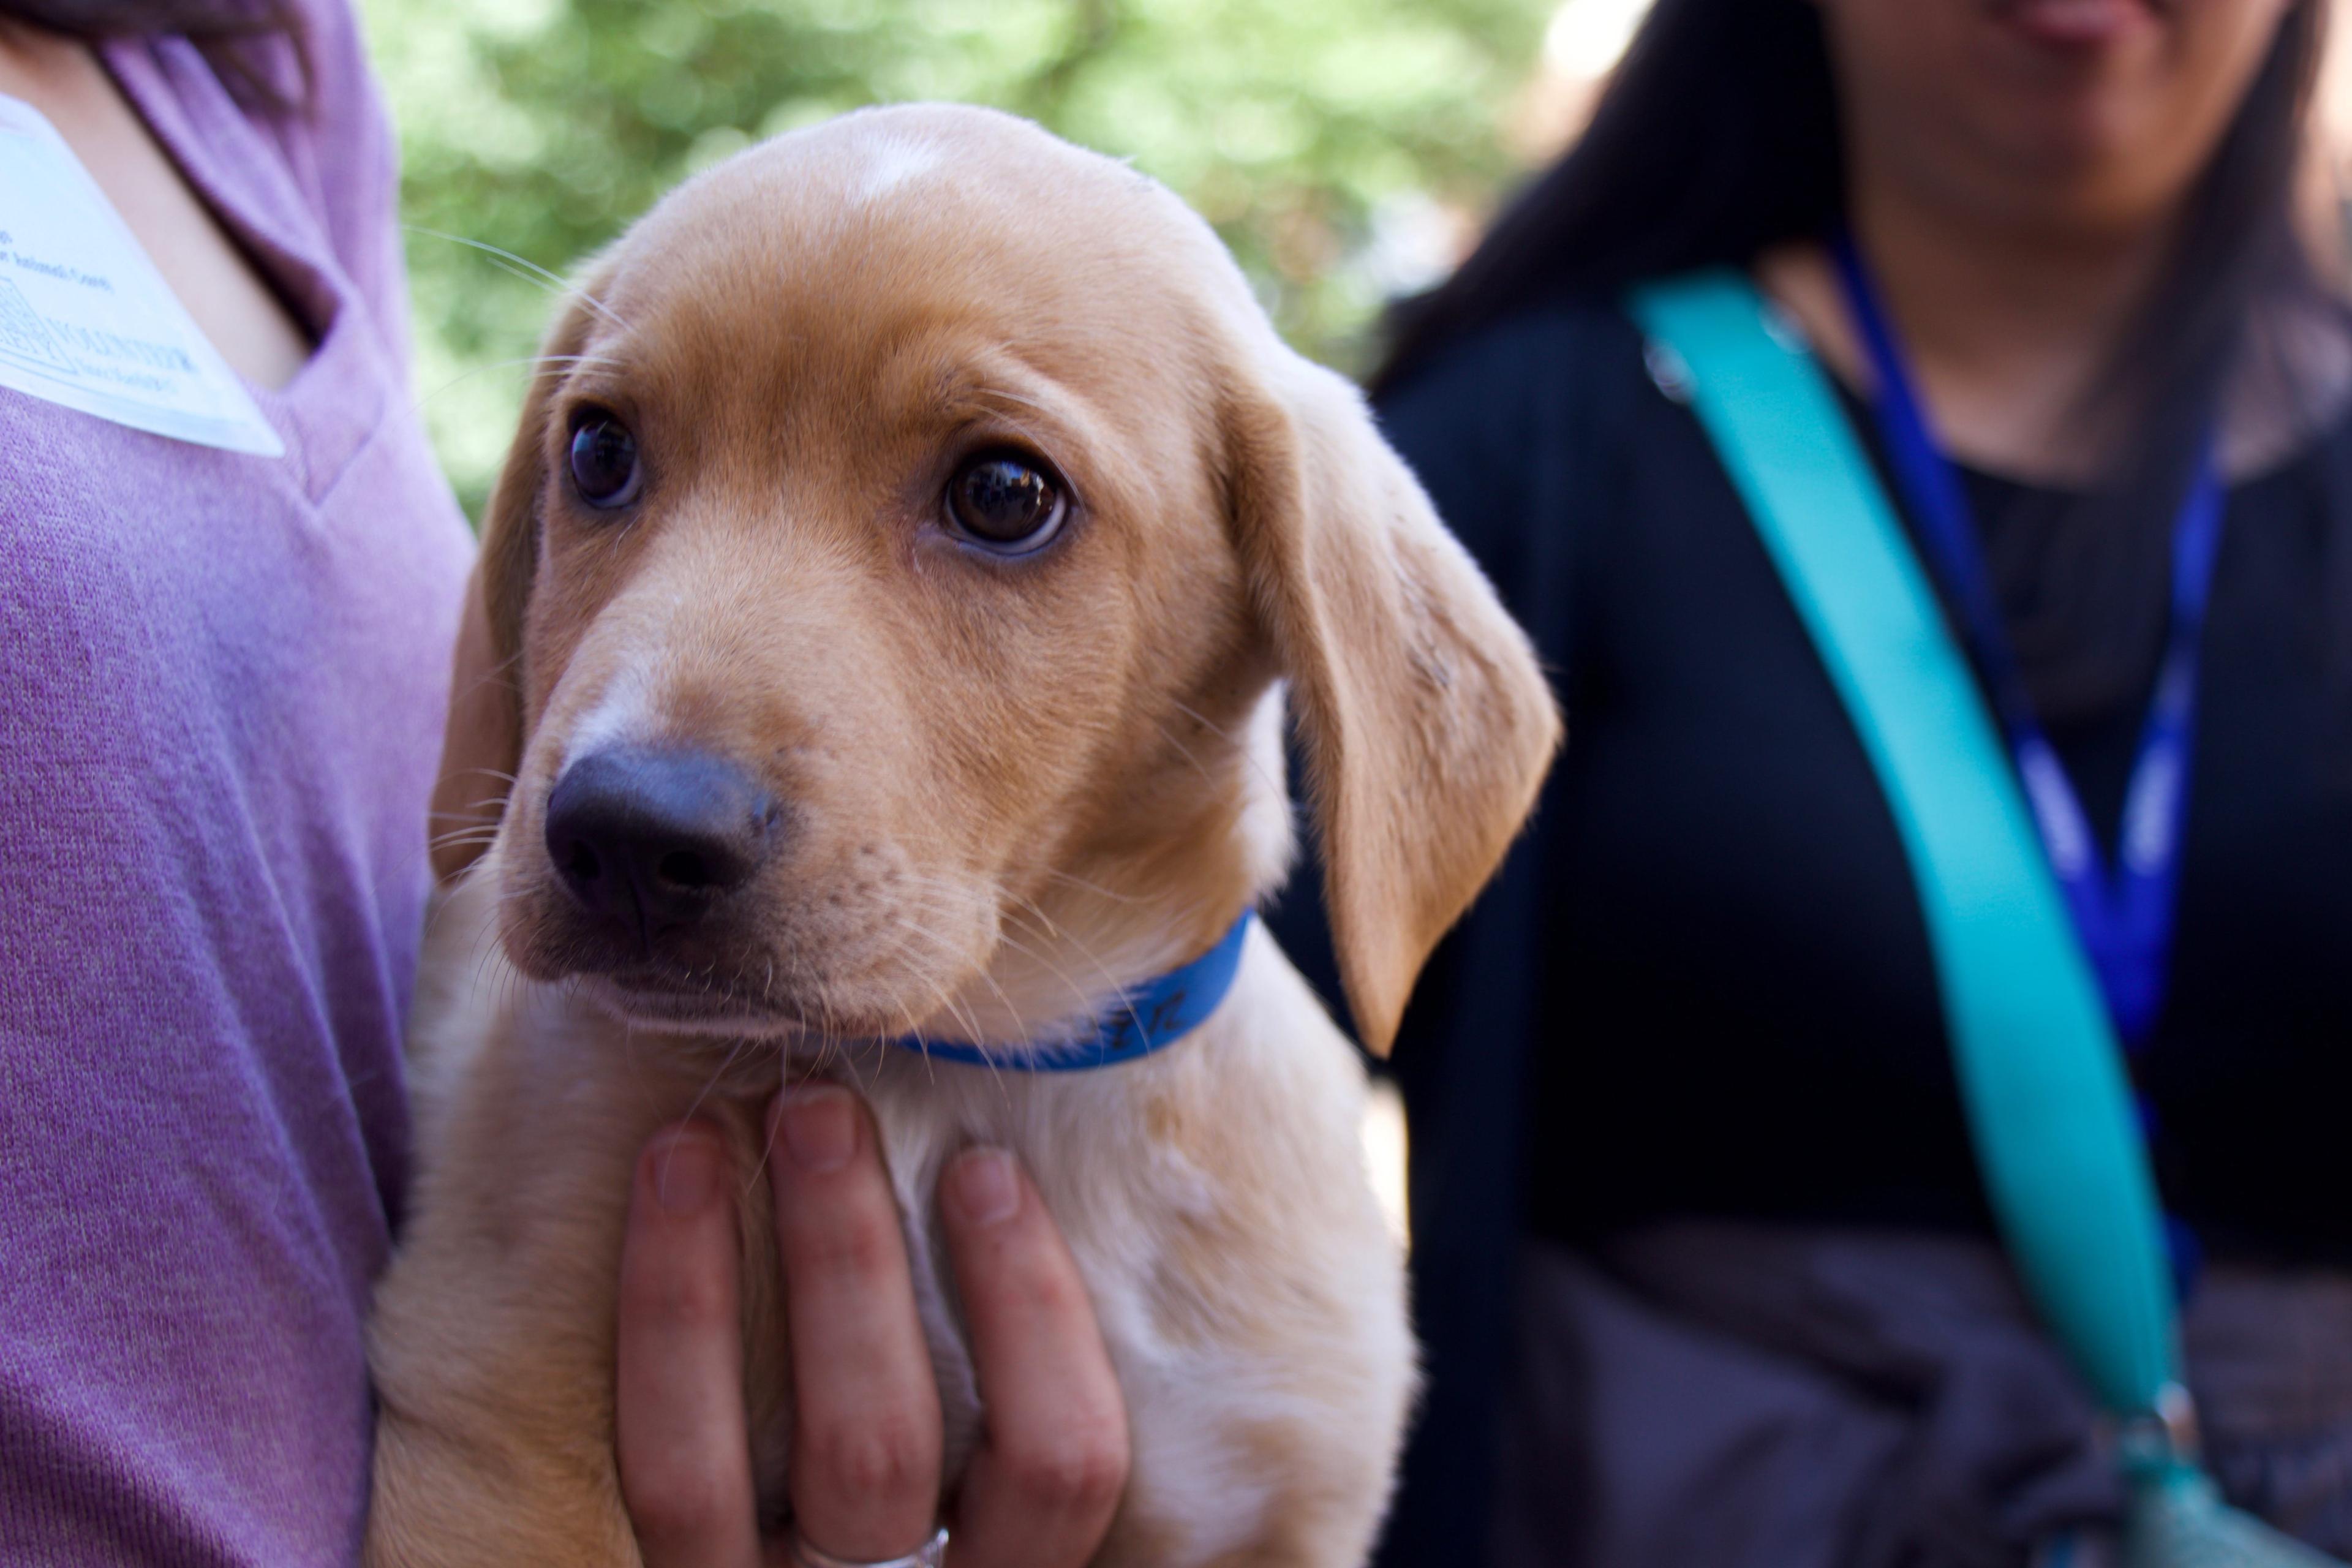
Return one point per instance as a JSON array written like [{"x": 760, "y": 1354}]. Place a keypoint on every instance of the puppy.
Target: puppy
[{"x": 883, "y": 617}]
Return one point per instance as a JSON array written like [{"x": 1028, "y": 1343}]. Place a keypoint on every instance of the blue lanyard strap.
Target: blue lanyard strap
[
  {"x": 1151, "y": 1017},
  {"x": 2124, "y": 919}
]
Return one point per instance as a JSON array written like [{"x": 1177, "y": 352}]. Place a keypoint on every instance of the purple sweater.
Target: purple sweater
[{"x": 221, "y": 684}]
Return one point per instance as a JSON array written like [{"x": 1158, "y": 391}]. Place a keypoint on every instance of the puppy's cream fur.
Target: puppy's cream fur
[{"x": 1012, "y": 788}]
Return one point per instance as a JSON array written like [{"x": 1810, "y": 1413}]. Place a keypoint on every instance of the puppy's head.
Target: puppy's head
[{"x": 900, "y": 538}]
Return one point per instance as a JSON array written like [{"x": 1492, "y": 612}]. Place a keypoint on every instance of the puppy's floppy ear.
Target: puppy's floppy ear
[
  {"x": 1426, "y": 723},
  {"x": 482, "y": 746}
]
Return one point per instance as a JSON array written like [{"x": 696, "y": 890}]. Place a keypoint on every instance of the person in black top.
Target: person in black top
[{"x": 1702, "y": 1256}]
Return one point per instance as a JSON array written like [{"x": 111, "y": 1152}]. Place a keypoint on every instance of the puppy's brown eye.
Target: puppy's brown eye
[
  {"x": 1004, "y": 503},
  {"x": 604, "y": 460}
]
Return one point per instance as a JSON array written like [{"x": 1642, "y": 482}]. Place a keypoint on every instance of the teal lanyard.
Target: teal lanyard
[{"x": 2040, "y": 1067}]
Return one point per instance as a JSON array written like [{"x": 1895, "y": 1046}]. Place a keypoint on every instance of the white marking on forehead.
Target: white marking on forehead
[
  {"x": 894, "y": 161},
  {"x": 624, "y": 711}
]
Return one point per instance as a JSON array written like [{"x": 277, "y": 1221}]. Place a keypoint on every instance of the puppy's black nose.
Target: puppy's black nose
[{"x": 653, "y": 838}]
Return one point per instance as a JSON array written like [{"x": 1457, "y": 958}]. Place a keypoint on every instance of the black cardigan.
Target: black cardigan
[{"x": 1701, "y": 984}]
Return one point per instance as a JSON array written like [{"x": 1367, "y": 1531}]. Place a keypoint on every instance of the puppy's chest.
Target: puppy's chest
[
  {"x": 1118, "y": 1188},
  {"x": 1123, "y": 1194}
]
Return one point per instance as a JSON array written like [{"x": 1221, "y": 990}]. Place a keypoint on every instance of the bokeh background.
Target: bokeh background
[{"x": 1345, "y": 149}]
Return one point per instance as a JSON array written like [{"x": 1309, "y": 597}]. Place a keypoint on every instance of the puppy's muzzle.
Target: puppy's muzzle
[{"x": 653, "y": 842}]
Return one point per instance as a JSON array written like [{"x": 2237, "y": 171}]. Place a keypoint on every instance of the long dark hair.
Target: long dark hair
[
  {"x": 1719, "y": 137},
  {"x": 243, "y": 39}
]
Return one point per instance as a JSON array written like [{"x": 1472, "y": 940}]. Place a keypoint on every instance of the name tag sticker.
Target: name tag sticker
[{"x": 85, "y": 319}]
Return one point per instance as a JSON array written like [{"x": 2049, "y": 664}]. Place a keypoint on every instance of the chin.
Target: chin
[{"x": 660, "y": 1007}]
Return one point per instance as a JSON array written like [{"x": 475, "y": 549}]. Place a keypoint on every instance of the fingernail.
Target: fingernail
[
  {"x": 683, "y": 1171},
  {"x": 820, "y": 1127},
  {"x": 982, "y": 1185}
]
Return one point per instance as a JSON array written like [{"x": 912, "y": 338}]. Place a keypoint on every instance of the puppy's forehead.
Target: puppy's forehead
[{"x": 936, "y": 210}]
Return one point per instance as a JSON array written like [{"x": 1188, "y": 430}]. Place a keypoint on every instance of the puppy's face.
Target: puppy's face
[
  {"x": 876, "y": 561},
  {"x": 902, "y": 526}
]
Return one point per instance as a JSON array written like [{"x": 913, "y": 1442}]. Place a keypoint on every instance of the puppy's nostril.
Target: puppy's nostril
[
  {"x": 581, "y": 864},
  {"x": 683, "y": 868}
]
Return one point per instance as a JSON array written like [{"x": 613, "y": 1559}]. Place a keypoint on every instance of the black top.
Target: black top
[
  {"x": 1738, "y": 1008},
  {"x": 1703, "y": 982}
]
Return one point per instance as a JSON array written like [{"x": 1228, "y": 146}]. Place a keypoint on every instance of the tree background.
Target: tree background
[{"x": 1344, "y": 148}]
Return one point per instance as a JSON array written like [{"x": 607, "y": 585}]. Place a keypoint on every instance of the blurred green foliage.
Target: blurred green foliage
[{"x": 1323, "y": 138}]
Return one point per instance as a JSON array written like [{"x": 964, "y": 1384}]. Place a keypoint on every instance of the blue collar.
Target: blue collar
[{"x": 1150, "y": 1018}]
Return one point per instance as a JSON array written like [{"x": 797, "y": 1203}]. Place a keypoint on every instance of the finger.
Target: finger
[
  {"x": 865, "y": 1415},
  {"x": 1041, "y": 1491},
  {"x": 679, "y": 1427}
]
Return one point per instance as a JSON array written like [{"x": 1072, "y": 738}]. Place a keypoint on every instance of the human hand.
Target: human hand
[{"x": 866, "y": 1446}]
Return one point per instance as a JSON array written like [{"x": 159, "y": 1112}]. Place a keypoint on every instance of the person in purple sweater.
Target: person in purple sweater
[{"x": 220, "y": 718}]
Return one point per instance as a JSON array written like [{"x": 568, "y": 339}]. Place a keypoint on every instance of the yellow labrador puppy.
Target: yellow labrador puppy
[{"x": 884, "y": 617}]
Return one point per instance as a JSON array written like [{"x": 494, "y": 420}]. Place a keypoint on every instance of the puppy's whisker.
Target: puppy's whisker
[
  {"x": 909, "y": 1028},
  {"x": 830, "y": 1034},
  {"x": 472, "y": 813},
  {"x": 767, "y": 1148},
  {"x": 550, "y": 364},
  {"x": 712, "y": 1083},
  {"x": 1119, "y": 987},
  {"x": 435, "y": 913},
  {"x": 1100, "y": 892},
  {"x": 1089, "y": 1005},
  {"x": 529, "y": 272},
  {"x": 1038, "y": 914},
  {"x": 1087, "y": 1002},
  {"x": 485, "y": 945},
  {"x": 861, "y": 1082},
  {"x": 964, "y": 1016},
  {"x": 1185, "y": 751},
  {"x": 943, "y": 997},
  {"x": 495, "y": 675},
  {"x": 505, "y": 778},
  {"x": 492, "y": 774},
  {"x": 1241, "y": 747}
]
